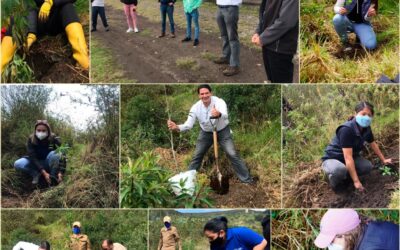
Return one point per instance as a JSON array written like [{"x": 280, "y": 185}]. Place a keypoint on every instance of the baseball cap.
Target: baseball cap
[
  {"x": 77, "y": 224},
  {"x": 334, "y": 222},
  {"x": 167, "y": 219}
]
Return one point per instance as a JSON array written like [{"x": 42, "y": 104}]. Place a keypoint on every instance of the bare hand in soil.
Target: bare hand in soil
[
  {"x": 215, "y": 112},
  {"x": 60, "y": 178},
  {"x": 388, "y": 162},
  {"x": 342, "y": 11},
  {"x": 47, "y": 177},
  {"x": 359, "y": 186},
  {"x": 172, "y": 125}
]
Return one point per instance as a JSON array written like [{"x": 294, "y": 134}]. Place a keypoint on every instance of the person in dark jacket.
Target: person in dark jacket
[
  {"x": 50, "y": 17},
  {"x": 167, "y": 8},
  {"x": 277, "y": 34},
  {"x": 355, "y": 16},
  {"x": 42, "y": 159},
  {"x": 342, "y": 161},
  {"x": 344, "y": 229}
]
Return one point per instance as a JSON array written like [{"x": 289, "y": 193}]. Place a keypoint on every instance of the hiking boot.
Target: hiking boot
[
  {"x": 186, "y": 39},
  {"x": 231, "y": 71},
  {"x": 196, "y": 42},
  {"x": 107, "y": 28},
  {"x": 172, "y": 35},
  {"x": 35, "y": 179},
  {"x": 162, "y": 35},
  {"x": 221, "y": 60}
]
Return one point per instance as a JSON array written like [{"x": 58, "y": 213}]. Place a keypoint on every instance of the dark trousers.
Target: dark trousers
[
  {"x": 167, "y": 9},
  {"x": 97, "y": 10},
  {"x": 227, "y": 19},
  {"x": 204, "y": 142},
  {"x": 279, "y": 67}
]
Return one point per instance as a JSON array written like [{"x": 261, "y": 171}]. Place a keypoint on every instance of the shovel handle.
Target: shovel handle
[{"x": 215, "y": 139}]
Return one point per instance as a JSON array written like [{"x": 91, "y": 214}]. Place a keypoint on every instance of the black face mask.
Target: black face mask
[{"x": 219, "y": 241}]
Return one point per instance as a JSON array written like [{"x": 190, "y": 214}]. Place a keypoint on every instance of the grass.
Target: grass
[
  {"x": 187, "y": 63},
  {"x": 319, "y": 43},
  {"x": 208, "y": 56},
  {"x": 104, "y": 68},
  {"x": 247, "y": 22}
]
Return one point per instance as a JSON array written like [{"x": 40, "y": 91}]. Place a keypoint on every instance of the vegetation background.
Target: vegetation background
[
  {"x": 91, "y": 179},
  {"x": 126, "y": 227},
  {"x": 297, "y": 229},
  {"x": 311, "y": 116},
  {"x": 145, "y": 139},
  {"x": 190, "y": 225},
  {"x": 320, "y": 61}
]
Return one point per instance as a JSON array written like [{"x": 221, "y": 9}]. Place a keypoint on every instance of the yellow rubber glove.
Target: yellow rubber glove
[
  {"x": 45, "y": 10},
  {"x": 29, "y": 41}
]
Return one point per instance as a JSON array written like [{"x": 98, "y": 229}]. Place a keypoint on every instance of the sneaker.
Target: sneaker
[
  {"x": 162, "y": 35},
  {"x": 107, "y": 28},
  {"x": 221, "y": 60},
  {"x": 231, "y": 71},
  {"x": 35, "y": 179},
  {"x": 136, "y": 30},
  {"x": 129, "y": 30},
  {"x": 172, "y": 35},
  {"x": 196, "y": 42},
  {"x": 186, "y": 39}
]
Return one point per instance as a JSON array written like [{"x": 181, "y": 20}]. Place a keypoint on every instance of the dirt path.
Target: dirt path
[{"x": 148, "y": 59}]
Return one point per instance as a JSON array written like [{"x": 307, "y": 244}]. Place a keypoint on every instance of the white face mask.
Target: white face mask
[
  {"x": 41, "y": 135},
  {"x": 334, "y": 246}
]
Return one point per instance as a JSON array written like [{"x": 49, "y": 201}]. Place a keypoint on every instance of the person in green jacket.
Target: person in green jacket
[{"x": 191, "y": 8}]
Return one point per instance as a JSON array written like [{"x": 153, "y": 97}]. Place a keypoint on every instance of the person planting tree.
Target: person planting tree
[
  {"x": 42, "y": 159},
  {"x": 212, "y": 106},
  {"x": 49, "y": 17},
  {"x": 342, "y": 162}
]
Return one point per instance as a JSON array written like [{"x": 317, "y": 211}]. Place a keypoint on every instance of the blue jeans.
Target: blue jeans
[
  {"x": 364, "y": 31},
  {"x": 167, "y": 9},
  {"x": 195, "y": 16},
  {"x": 227, "y": 19},
  {"x": 205, "y": 141},
  {"x": 50, "y": 164}
]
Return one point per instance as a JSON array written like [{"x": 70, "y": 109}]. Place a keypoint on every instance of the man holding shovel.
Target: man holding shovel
[{"x": 214, "y": 107}]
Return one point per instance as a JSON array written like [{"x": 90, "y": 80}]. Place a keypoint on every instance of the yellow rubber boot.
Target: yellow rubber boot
[
  {"x": 30, "y": 40},
  {"x": 8, "y": 48},
  {"x": 77, "y": 40}
]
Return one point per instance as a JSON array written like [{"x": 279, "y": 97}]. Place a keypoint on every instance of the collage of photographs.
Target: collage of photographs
[{"x": 200, "y": 124}]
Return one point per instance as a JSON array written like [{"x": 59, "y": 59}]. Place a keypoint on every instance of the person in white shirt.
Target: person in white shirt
[
  {"x": 212, "y": 106},
  {"x": 22, "y": 245},
  {"x": 98, "y": 9},
  {"x": 227, "y": 19}
]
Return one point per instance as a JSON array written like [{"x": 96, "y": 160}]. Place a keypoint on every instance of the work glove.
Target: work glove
[{"x": 45, "y": 10}]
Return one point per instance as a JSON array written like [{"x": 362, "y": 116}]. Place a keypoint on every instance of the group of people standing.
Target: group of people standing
[{"x": 78, "y": 241}]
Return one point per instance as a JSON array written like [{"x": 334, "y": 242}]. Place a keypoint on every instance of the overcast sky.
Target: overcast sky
[{"x": 63, "y": 106}]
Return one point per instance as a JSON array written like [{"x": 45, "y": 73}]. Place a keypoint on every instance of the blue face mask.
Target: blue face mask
[
  {"x": 334, "y": 246},
  {"x": 363, "y": 120},
  {"x": 76, "y": 230},
  {"x": 167, "y": 225}
]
